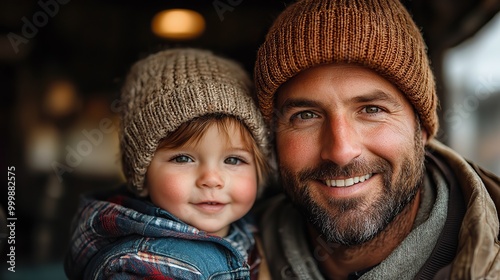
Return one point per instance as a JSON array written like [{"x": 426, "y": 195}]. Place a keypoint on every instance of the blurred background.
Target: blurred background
[{"x": 62, "y": 63}]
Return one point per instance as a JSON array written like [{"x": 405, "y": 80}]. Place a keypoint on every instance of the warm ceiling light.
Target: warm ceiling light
[
  {"x": 61, "y": 98},
  {"x": 178, "y": 24}
]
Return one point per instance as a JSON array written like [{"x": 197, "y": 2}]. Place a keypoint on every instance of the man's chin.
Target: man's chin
[
  {"x": 344, "y": 231},
  {"x": 348, "y": 221}
]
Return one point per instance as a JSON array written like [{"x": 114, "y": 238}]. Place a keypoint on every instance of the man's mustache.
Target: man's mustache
[{"x": 359, "y": 167}]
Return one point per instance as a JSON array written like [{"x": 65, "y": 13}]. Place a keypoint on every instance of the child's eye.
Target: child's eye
[
  {"x": 233, "y": 161},
  {"x": 182, "y": 159}
]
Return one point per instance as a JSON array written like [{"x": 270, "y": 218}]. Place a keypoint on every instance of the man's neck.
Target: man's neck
[{"x": 338, "y": 261}]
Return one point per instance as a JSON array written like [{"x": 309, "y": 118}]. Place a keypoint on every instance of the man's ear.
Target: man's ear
[{"x": 424, "y": 136}]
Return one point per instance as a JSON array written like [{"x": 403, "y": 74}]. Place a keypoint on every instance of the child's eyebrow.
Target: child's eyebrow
[
  {"x": 166, "y": 146},
  {"x": 241, "y": 149}
]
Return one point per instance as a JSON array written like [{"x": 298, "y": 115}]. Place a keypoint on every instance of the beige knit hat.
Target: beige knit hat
[
  {"x": 171, "y": 87},
  {"x": 378, "y": 34}
]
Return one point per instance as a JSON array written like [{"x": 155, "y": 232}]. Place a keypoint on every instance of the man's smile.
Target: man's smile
[{"x": 347, "y": 182}]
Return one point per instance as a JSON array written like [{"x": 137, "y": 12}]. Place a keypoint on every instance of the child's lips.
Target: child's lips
[{"x": 210, "y": 206}]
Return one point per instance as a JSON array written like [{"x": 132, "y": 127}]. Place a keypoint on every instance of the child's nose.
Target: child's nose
[{"x": 210, "y": 177}]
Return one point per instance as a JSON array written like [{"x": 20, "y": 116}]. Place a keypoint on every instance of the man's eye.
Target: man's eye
[
  {"x": 233, "y": 161},
  {"x": 182, "y": 159},
  {"x": 305, "y": 115},
  {"x": 372, "y": 109}
]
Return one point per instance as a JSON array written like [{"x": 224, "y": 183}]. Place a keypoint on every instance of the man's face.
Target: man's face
[{"x": 350, "y": 151}]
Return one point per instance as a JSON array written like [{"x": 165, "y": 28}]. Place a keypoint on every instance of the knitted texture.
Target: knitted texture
[
  {"x": 377, "y": 34},
  {"x": 171, "y": 87}
]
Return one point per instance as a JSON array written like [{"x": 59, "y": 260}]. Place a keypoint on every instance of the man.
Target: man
[{"x": 348, "y": 90}]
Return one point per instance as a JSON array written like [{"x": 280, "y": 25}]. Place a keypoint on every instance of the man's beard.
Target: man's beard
[{"x": 342, "y": 221}]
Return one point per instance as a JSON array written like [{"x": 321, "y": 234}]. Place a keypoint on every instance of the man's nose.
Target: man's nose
[{"x": 340, "y": 141}]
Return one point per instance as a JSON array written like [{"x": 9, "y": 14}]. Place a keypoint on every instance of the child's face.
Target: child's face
[{"x": 207, "y": 184}]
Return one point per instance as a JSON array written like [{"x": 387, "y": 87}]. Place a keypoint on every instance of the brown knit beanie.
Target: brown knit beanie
[
  {"x": 378, "y": 34},
  {"x": 171, "y": 87}
]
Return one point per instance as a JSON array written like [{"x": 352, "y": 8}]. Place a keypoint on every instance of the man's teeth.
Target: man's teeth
[{"x": 347, "y": 182}]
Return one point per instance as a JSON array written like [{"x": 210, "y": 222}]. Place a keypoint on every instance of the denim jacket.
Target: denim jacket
[{"x": 119, "y": 236}]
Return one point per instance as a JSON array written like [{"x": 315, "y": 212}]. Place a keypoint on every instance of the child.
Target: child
[{"x": 194, "y": 149}]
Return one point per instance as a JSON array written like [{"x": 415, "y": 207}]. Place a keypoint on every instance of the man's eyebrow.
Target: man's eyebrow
[
  {"x": 297, "y": 103},
  {"x": 377, "y": 95}
]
